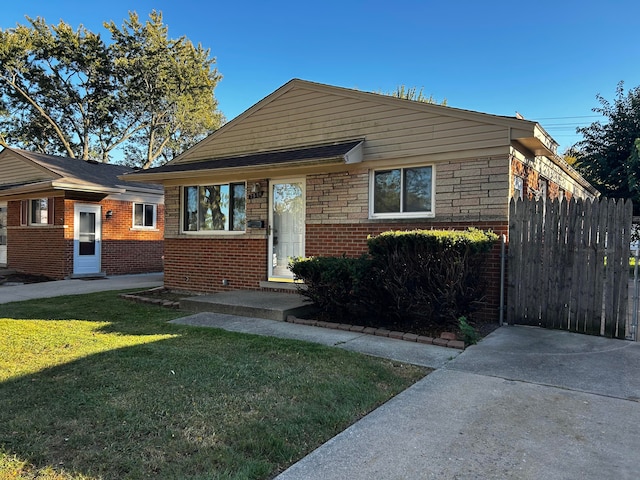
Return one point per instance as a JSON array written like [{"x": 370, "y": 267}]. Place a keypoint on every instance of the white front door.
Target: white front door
[
  {"x": 286, "y": 226},
  {"x": 3, "y": 234},
  {"x": 87, "y": 239}
]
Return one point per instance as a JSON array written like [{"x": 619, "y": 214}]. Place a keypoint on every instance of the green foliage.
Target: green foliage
[
  {"x": 412, "y": 93},
  {"x": 120, "y": 393},
  {"x": 430, "y": 276},
  {"x": 469, "y": 334},
  {"x": 411, "y": 280},
  {"x": 609, "y": 154},
  {"x": 337, "y": 285},
  {"x": 65, "y": 91}
]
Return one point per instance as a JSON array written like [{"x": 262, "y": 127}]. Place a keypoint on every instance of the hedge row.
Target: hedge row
[{"x": 412, "y": 279}]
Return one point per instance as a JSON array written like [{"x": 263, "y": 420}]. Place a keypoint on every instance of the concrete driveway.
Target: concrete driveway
[{"x": 526, "y": 403}]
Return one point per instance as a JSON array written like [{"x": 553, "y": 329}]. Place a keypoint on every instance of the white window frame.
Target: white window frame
[
  {"x": 401, "y": 214},
  {"x": 144, "y": 210},
  {"x": 212, "y": 232}
]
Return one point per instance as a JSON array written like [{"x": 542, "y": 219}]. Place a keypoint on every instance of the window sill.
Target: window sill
[
  {"x": 144, "y": 229},
  {"x": 402, "y": 216},
  {"x": 214, "y": 233}
]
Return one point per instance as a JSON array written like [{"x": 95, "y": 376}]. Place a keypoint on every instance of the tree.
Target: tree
[
  {"x": 64, "y": 91},
  {"x": 608, "y": 155},
  {"x": 56, "y": 87},
  {"x": 169, "y": 88}
]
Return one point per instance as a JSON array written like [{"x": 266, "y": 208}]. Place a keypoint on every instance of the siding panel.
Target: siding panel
[
  {"x": 18, "y": 170},
  {"x": 303, "y": 117}
]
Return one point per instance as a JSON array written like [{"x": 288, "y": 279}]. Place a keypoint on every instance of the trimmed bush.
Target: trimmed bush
[
  {"x": 430, "y": 277},
  {"x": 337, "y": 285},
  {"x": 412, "y": 280}
]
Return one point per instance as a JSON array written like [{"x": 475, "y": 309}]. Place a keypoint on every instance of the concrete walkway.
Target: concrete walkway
[{"x": 30, "y": 291}]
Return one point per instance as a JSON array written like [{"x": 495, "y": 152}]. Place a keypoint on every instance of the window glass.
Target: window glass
[
  {"x": 417, "y": 189},
  {"x": 138, "y": 214},
  {"x": 190, "y": 214},
  {"x": 386, "y": 191},
  {"x": 214, "y": 207},
  {"x": 239, "y": 217},
  {"x": 144, "y": 215},
  {"x": 149, "y": 217},
  {"x": 39, "y": 210},
  {"x": 403, "y": 191}
]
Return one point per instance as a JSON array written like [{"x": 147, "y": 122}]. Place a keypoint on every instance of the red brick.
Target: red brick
[{"x": 423, "y": 339}]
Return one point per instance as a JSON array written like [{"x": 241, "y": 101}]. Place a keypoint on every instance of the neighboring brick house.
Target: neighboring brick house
[
  {"x": 314, "y": 169},
  {"x": 67, "y": 217}
]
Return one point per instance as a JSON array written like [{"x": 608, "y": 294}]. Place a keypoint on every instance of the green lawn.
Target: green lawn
[{"x": 93, "y": 386}]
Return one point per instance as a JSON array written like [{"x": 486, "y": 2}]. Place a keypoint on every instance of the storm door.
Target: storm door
[
  {"x": 87, "y": 239},
  {"x": 286, "y": 227}
]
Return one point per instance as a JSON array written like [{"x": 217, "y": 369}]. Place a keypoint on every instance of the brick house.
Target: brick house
[
  {"x": 63, "y": 217},
  {"x": 314, "y": 169}
]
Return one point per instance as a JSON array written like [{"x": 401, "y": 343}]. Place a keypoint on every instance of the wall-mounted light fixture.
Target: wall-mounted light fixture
[
  {"x": 109, "y": 214},
  {"x": 255, "y": 188}
]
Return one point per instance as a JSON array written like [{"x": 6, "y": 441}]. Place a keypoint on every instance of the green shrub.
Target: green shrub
[
  {"x": 413, "y": 280},
  {"x": 337, "y": 285},
  {"x": 469, "y": 334},
  {"x": 429, "y": 277}
]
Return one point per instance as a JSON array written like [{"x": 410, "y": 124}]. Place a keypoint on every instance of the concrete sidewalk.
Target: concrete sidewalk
[{"x": 30, "y": 291}]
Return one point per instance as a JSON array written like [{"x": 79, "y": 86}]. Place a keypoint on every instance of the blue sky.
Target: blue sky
[{"x": 545, "y": 59}]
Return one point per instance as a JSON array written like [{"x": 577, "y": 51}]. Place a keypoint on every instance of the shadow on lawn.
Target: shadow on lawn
[
  {"x": 204, "y": 404},
  {"x": 132, "y": 412}
]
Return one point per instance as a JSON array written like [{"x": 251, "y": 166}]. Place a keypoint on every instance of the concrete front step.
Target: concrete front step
[{"x": 246, "y": 303}]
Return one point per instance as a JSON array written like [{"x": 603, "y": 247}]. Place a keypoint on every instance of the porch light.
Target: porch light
[
  {"x": 255, "y": 188},
  {"x": 109, "y": 214}
]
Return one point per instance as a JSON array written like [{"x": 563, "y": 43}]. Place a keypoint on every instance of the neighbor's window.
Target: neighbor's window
[
  {"x": 214, "y": 207},
  {"x": 36, "y": 211},
  {"x": 144, "y": 215},
  {"x": 402, "y": 192}
]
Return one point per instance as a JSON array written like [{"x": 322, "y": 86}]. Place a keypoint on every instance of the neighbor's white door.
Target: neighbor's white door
[
  {"x": 286, "y": 227},
  {"x": 3, "y": 234},
  {"x": 87, "y": 239}
]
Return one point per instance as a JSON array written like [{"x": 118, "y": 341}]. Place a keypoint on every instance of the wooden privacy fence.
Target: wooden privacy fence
[{"x": 569, "y": 265}]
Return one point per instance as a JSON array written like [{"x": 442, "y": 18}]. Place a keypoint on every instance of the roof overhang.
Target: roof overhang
[
  {"x": 348, "y": 152},
  {"x": 538, "y": 141},
  {"x": 49, "y": 186}
]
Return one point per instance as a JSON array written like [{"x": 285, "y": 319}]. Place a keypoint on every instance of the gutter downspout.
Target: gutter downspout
[{"x": 502, "y": 275}]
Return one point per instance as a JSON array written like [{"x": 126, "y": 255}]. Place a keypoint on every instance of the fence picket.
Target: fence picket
[{"x": 568, "y": 265}]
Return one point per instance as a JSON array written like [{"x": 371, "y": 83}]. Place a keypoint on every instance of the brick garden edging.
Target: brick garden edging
[{"x": 447, "y": 339}]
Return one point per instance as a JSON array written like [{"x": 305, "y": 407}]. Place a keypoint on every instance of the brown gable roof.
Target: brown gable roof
[{"x": 80, "y": 172}]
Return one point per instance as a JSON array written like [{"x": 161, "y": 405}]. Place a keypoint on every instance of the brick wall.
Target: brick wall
[
  {"x": 48, "y": 249},
  {"x": 201, "y": 264},
  {"x": 351, "y": 240},
  {"x": 470, "y": 193},
  {"x": 126, "y": 250}
]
